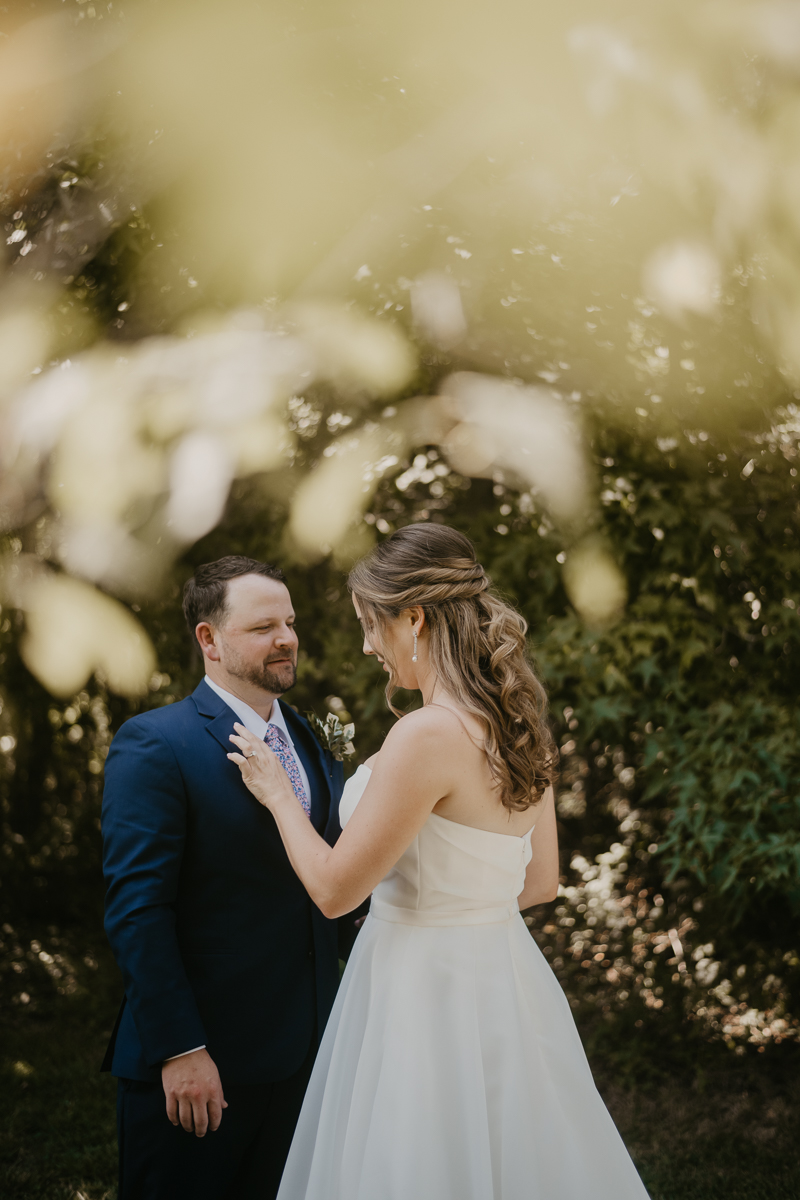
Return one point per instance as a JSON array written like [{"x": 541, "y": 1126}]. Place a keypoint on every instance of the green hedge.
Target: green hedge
[{"x": 678, "y": 804}]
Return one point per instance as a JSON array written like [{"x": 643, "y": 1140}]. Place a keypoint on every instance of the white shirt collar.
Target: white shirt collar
[{"x": 248, "y": 716}]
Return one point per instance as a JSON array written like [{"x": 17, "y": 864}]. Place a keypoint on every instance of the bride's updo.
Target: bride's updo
[{"x": 477, "y": 647}]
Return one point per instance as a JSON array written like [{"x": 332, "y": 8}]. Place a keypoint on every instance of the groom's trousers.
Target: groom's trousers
[{"x": 242, "y": 1160}]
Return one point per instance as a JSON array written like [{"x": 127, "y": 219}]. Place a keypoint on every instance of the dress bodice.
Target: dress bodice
[{"x": 451, "y": 874}]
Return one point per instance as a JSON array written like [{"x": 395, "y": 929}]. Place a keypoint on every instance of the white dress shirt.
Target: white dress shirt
[{"x": 258, "y": 726}]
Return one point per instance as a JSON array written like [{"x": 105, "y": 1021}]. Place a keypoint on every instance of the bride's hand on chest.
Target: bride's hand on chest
[{"x": 261, "y": 769}]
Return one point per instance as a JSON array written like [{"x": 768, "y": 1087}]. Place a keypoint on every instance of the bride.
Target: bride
[{"x": 450, "y": 1068}]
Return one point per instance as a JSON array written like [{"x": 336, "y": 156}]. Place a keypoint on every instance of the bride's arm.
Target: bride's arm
[
  {"x": 541, "y": 877},
  {"x": 408, "y": 779}
]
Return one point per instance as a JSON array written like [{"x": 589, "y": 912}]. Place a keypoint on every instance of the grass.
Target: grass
[
  {"x": 728, "y": 1133},
  {"x": 57, "y": 1113}
]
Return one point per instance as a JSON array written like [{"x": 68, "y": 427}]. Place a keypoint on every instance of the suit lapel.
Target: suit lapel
[{"x": 220, "y": 720}]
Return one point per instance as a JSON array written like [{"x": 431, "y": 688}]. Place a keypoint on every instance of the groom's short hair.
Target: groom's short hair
[{"x": 205, "y": 595}]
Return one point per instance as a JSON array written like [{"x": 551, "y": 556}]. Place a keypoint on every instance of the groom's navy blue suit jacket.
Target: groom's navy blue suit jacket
[{"x": 217, "y": 939}]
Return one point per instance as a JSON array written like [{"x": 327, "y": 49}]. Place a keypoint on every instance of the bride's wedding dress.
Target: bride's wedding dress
[{"x": 451, "y": 1068}]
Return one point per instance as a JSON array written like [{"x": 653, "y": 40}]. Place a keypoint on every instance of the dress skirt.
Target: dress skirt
[{"x": 451, "y": 1069}]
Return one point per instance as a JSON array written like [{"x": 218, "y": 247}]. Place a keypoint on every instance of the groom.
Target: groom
[{"x": 230, "y": 970}]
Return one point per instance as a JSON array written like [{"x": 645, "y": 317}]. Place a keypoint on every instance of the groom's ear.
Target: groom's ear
[{"x": 205, "y": 639}]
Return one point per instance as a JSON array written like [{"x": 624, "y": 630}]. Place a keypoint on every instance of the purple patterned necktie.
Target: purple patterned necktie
[{"x": 277, "y": 742}]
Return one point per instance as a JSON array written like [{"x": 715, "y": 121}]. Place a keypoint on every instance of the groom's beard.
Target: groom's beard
[{"x": 268, "y": 675}]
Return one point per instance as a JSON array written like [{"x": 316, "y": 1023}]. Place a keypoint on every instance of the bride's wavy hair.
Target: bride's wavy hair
[{"x": 477, "y": 648}]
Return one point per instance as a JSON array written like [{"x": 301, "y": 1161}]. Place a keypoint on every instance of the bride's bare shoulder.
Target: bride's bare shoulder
[
  {"x": 415, "y": 730},
  {"x": 432, "y": 722}
]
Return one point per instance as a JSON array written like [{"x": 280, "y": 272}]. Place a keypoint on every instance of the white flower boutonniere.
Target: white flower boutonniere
[{"x": 333, "y": 735}]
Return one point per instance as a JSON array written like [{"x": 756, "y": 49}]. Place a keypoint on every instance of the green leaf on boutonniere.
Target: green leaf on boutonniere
[{"x": 333, "y": 735}]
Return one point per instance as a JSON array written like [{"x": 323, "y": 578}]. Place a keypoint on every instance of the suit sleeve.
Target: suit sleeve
[{"x": 144, "y": 834}]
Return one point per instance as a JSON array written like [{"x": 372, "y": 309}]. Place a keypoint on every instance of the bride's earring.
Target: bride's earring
[{"x": 414, "y": 655}]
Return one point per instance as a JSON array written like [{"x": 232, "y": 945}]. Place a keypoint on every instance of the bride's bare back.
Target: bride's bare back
[
  {"x": 453, "y": 741},
  {"x": 471, "y": 799}
]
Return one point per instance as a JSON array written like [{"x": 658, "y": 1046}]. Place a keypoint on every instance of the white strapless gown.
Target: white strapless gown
[{"x": 451, "y": 1068}]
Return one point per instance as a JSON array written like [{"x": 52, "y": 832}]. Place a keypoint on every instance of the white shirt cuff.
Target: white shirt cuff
[{"x": 183, "y": 1054}]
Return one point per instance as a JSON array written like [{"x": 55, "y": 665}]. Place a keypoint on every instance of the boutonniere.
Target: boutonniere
[{"x": 333, "y": 735}]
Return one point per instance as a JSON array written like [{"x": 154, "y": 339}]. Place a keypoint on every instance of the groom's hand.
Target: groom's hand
[{"x": 194, "y": 1092}]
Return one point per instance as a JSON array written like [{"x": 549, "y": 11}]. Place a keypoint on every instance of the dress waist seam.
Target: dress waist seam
[{"x": 433, "y": 918}]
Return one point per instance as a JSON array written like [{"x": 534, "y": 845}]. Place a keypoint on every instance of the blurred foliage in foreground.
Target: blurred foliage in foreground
[{"x": 464, "y": 227}]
